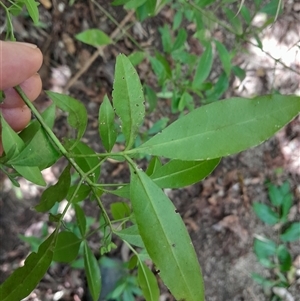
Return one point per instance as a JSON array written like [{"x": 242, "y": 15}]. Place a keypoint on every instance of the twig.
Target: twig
[{"x": 98, "y": 52}]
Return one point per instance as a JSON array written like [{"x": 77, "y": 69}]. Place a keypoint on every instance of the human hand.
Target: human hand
[{"x": 19, "y": 63}]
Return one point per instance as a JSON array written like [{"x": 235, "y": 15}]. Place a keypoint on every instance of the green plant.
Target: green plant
[
  {"x": 182, "y": 154},
  {"x": 276, "y": 255}
]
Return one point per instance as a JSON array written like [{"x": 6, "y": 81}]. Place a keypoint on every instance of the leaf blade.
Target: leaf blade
[
  {"x": 174, "y": 255},
  {"x": 128, "y": 98},
  {"x": 23, "y": 280},
  {"x": 205, "y": 133}
]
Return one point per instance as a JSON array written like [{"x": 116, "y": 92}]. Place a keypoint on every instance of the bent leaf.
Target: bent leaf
[
  {"x": 11, "y": 140},
  {"x": 55, "y": 193},
  {"x": 171, "y": 251},
  {"x": 128, "y": 98},
  {"x": 147, "y": 282},
  {"x": 40, "y": 152},
  {"x": 23, "y": 280},
  {"x": 85, "y": 163},
  {"x": 222, "y": 128},
  {"x": 131, "y": 235},
  {"x": 67, "y": 247},
  {"x": 177, "y": 173},
  {"x": 77, "y": 117}
]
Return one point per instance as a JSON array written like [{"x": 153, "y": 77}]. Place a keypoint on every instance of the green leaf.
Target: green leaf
[
  {"x": 146, "y": 10},
  {"x": 147, "y": 282},
  {"x": 222, "y": 128},
  {"x": 136, "y": 57},
  {"x": 158, "y": 126},
  {"x": 92, "y": 271},
  {"x": 134, "y": 4},
  {"x": 234, "y": 21},
  {"x": 186, "y": 100},
  {"x": 16, "y": 8},
  {"x": 10, "y": 139},
  {"x": 24, "y": 280},
  {"x": 131, "y": 235},
  {"x": 106, "y": 124},
  {"x": 55, "y": 193},
  {"x": 292, "y": 233},
  {"x": 265, "y": 213},
  {"x": 128, "y": 98},
  {"x": 177, "y": 173},
  {"x": 204, "y": 67},
  {"x": 48, "y": 115},
  {"x": 224, "y": 57},
  {"x": 154, "y": 164},
  {"x": 275, "y": 195},
  {"x": 171, "y": 251},
  {"x": 239, "y": 72},
  {"x": 219, "y": 88},
  {"x": 264, "y": 249},
  {"x": 32, "y": 8},
  {"x": 77, "y": 117},
  {"x": 272, "y": 8},
  {"x": 94, "y": 37},
  {"x": 151, "y": 98},
  {"x": 120, "y": 210},
  {"x": 246, "y": 14},
  {"x": 119, "y": 2},
  {"x": 81, "y": 193},
  {"x": 67, "y": 247},
  {"x": 262, "y": 281},
  {"x": 177, "y": 20},
  {"x": 81, "y": 220},
  {"x": 159, "y": 69},
  {"x": 85, "y": 163},
  {"x": 180, "y": 39},
  {"x": 40, "y": 152},
  {"x": 285, "y": 258}
]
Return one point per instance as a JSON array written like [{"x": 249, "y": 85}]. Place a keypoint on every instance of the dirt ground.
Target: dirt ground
[{"x": 218, "y": 210}]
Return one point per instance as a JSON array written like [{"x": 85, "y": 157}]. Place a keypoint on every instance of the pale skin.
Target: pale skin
[{"x": 19, "y": 64}]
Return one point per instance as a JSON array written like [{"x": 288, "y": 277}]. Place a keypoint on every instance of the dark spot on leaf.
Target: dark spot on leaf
[
  {"x": 156, "y": 272},
  {"x": 134, "y": 172},
  {"x": 176, "y": 211},
  {"x": 123, "y": 77},
  {"x": 136, "y": 104},
  {"x": 173, "y": 245}
]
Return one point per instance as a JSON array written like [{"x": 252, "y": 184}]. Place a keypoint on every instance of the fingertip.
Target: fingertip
[{"x": 18, "y": 62}]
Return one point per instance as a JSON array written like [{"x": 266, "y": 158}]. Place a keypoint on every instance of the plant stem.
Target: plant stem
[{"x": 64, "y": 152}]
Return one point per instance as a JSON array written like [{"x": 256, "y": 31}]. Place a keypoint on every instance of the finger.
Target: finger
[
  {"x": 17, "y": 118},
  {"x": 18, "y": 61},
  {"x": 32, "y": 88}
]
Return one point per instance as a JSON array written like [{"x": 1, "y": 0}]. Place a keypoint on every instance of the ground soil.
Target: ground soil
[{"x": 218, "y": 210}]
